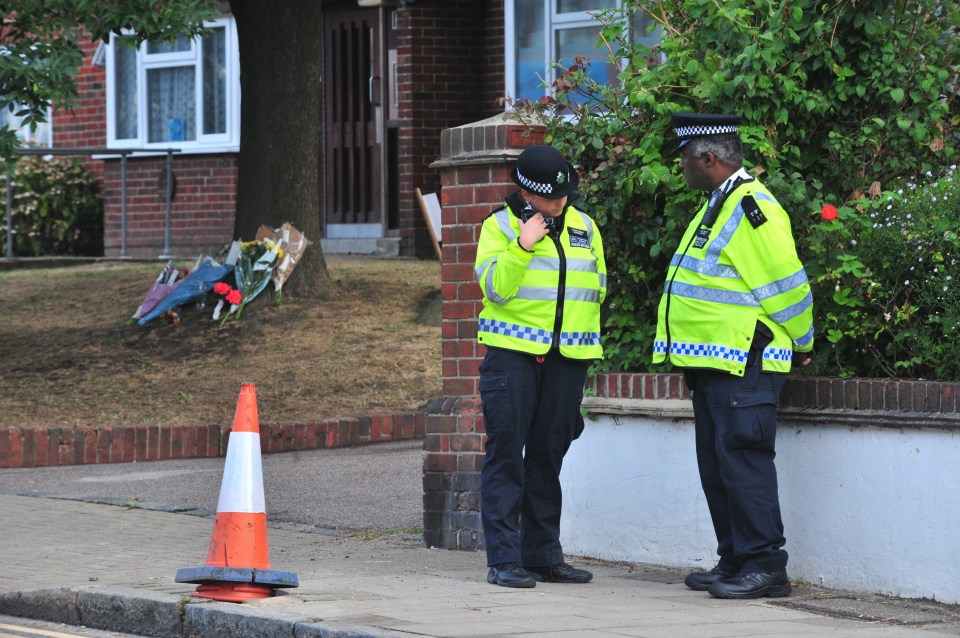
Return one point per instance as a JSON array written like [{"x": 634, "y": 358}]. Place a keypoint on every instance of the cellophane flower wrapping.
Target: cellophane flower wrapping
[
  {"x": 166, "y": 281},
  {"x": 293, "y": 244},
  {"x": 254, "y": 268},
  {"x": 201, "y": 279}
]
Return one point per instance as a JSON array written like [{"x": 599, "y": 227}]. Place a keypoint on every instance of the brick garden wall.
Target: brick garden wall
[{"x": 43, "y": 447}]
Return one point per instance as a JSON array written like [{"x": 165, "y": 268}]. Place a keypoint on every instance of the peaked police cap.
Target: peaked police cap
[
  {"x": 690, "y": 126},
  {"x": 544, "y": 171}
]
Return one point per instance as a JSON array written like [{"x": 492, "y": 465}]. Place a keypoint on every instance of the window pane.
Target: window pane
[
  {"x": 531, "y": 48},
  {"x": 125, "y": 88},
  {"x": 182, "y": 43},
  {"x": 172, "y": 104},
  {"x": 215, "y": 82},
  {"x": 583, "y": 42},
  {"x": 642, "y": 34},
  {"x": 569, "y": 6}
]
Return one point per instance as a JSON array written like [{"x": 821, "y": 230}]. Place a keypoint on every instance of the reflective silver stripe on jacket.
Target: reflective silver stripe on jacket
[
  {"x": 728, "y": 297},
  {"x": 786, "y": 284},
  {"x": 805, "y": 339}
]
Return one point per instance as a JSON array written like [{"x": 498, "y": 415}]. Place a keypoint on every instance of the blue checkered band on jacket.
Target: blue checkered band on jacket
[
  {"x": 579, "y": 338},
  {"x": 513, "y": 330},
  {"x": 700, "y": 131},
  {"x": 534, "y": 187},
  {"x": 777, "y": 354},
  {"x": 708, "y": 350}
]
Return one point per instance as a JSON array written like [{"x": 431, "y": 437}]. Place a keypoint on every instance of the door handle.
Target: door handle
[{"x": 370, "y": 90}]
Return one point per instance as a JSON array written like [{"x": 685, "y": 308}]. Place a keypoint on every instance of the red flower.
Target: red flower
[
  {"x": 828, "y": 212},
  {"x": 234, "y": 297},
  {"x": 221, "y": 288}
]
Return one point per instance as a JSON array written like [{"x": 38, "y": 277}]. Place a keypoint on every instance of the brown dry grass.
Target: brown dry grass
[{"x": 69, "y": 357}]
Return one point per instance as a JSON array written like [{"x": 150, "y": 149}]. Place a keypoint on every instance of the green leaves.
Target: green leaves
[{"x": 839, "y": 101}]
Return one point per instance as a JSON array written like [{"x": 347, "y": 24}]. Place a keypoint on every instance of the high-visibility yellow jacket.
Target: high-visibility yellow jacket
[
  {"x": 547, "y": 298},
  {"x": 746, "y": 271}
]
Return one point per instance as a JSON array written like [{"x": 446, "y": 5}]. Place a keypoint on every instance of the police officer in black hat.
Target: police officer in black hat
[
  {"x": 736, "y": 313},
  {"x": 541, "y": 268}
]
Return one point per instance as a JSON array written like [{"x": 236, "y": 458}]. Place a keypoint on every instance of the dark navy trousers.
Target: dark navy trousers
[
  {"x": 736, "y": 431},
  {"x": 531, "y": 411}
]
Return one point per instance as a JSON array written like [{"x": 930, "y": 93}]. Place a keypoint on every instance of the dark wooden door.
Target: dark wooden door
[{"x": 352, "y": 94}]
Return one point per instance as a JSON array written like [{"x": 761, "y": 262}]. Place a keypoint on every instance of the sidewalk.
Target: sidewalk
[{"x": 113, "y": 568}]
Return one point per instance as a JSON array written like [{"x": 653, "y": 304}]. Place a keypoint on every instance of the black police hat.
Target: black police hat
[
  {"x": 690, "y": 126},
  {"x": 544, "y": 171}
]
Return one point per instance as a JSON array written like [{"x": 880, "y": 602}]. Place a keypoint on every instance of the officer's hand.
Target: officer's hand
[
  {"x": 801, "y": 359},
  {"x": 532, "y": 231}
]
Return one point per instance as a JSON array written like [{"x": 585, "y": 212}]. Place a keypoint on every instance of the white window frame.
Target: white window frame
[
  {"x": 227, "y": 142},
  {"x": 553, "y": 22}
]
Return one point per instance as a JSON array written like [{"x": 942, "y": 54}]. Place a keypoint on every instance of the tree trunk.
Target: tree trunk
[{"x": 281, "y": 49}]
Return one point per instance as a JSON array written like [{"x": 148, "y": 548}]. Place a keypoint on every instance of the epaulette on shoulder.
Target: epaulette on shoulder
[{"x": 751, "y": 210}]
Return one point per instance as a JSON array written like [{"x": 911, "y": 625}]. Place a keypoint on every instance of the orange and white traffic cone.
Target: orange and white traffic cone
[{"x": 238, "y": 561}]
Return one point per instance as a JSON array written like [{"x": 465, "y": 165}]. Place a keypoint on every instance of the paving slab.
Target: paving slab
[{"x": 113, "y": 567}]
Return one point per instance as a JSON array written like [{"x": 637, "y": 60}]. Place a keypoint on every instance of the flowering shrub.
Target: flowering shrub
[
  {"x": 885, "y": 279},
  {"x": 57, "y": 209}
]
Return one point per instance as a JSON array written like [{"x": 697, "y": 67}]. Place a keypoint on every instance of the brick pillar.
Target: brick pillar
[{"x": 474, "y": 167}]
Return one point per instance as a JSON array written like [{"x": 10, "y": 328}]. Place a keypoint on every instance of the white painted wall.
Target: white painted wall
[{"x": 865, "y": 509}]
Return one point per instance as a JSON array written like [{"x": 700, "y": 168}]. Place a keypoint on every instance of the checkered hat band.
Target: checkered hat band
[
  {"x": 534, "y": 187},
  {"x": 700, "y": 131}
]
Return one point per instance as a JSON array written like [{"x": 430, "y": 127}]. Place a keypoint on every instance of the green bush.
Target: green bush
[
  {"x": 840, "y": 102},
  {"x": 885, "y": 279},
  {"x": 57, "y": 209}
]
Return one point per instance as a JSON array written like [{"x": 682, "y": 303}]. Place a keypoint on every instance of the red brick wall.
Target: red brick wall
[
  {"x": 41, "y": 447},
  {"x": 448, "y": 75},
  {"x": 202, "y": 210},
  {"x": 85, "y": 125}
]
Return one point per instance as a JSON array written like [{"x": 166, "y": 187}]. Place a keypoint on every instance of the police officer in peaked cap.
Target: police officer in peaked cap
[
  {"x": 541, "y": 268},
  {"x": 736, "y": 314}
]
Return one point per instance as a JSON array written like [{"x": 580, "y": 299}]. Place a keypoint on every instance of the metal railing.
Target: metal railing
[{"x": 123, "y": 153}]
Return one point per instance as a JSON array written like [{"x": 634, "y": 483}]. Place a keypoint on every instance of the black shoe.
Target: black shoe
[
  {"x": 560, "y": 573},
  {"x": 510, "y": 575},
  {"x": 701, "y": 581},
  {"x": 752, "y": 585}
]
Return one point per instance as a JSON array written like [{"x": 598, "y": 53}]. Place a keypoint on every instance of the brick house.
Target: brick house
[{"x": 403, "y": 70}]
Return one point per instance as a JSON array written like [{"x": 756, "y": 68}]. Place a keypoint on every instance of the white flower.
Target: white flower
[{"x": 907, "y": 282}]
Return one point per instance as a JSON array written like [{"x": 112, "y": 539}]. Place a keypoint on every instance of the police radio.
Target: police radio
[{"x": 551, "y": 222}]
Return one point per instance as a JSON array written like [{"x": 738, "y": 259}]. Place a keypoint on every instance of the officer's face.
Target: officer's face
[
  {"x": 544, "y": 206},
  {"x": 695, "y": 169}
]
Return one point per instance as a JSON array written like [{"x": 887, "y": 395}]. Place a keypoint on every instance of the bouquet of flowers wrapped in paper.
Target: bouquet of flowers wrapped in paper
[
  {"x": 168, "y": 279},
  {"x": 254, "y": 268},
  {"x": 292, "y": 244},
  {"x": 201, "y": 279}
]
